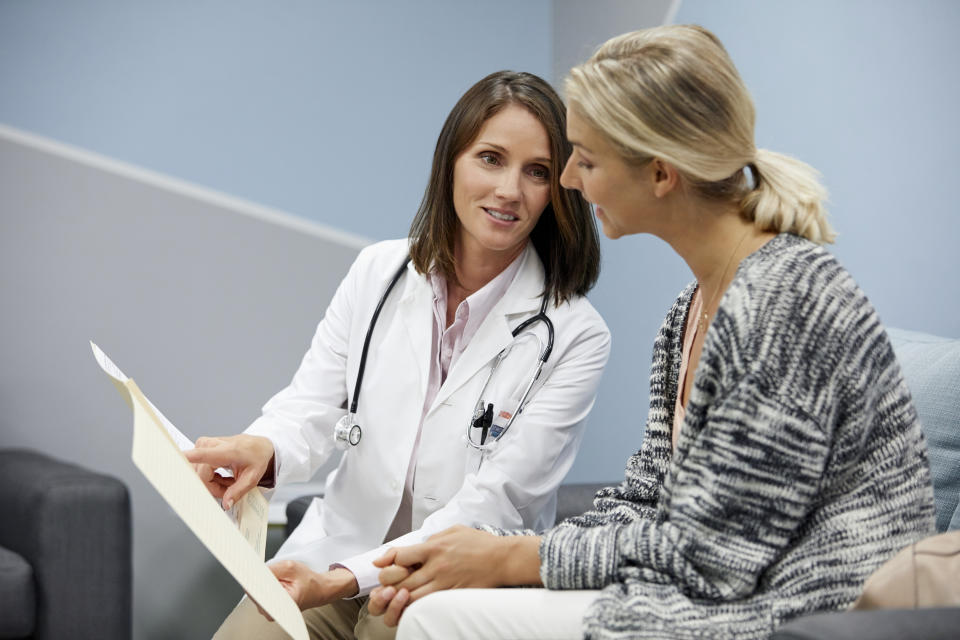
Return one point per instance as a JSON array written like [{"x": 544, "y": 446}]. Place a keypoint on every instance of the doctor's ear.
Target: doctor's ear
[{"x": 665, "y": 177}]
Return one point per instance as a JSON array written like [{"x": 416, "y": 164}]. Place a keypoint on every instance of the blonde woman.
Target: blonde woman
[{"x": 782, "y": 460}]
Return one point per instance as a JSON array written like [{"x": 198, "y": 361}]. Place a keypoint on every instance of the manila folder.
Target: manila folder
[{"x": 161, "y": 461}]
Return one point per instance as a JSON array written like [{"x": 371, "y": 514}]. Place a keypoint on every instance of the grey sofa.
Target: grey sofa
[{"x": 65, "y": 563}]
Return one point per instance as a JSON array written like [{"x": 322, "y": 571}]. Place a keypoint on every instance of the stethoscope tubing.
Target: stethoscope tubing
[
  {"x": 540, "y": 316},
  {"x": 366, "y": 340}
]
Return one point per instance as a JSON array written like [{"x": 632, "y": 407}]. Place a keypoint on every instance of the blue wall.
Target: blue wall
[
  {"x": 328, "y": 110},
  {"x": 866, "y": 92}
]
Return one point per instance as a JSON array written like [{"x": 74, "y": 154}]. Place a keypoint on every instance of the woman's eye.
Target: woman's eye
[
  {"x": 489, "y": 158},
  {"x": 585, "y": 165}
]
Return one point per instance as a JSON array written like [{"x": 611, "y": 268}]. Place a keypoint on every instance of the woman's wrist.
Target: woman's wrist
[{"x": 519, "y": 561}]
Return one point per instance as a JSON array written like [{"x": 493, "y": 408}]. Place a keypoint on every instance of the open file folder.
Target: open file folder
[{"x": 239, "y": 546}]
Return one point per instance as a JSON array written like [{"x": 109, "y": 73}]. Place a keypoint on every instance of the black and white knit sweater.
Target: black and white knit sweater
[{"x": 801, "y": 466}]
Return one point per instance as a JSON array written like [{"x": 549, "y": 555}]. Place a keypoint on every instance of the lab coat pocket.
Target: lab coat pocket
[{"x": 472, "y": 461}]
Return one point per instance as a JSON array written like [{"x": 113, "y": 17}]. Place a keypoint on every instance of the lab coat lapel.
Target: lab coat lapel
[
  {"x": 521, "y": 300},
  {"x": 416, "y": 311}
]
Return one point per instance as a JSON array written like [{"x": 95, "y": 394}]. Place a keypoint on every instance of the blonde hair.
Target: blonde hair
[{"x": 673, "y": 93}]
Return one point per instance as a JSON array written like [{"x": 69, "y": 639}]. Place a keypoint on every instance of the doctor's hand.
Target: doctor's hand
[
  {"x": 310, "y": 589},
  {"x": 457, "y": 558},
  {"x": 248, "y": 457}
]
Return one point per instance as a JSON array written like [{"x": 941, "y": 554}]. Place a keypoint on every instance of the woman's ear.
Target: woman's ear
[{"x": 665, "y": 177}]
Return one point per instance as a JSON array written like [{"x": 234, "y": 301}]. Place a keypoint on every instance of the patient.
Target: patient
[{"x": 782, "y": 460}]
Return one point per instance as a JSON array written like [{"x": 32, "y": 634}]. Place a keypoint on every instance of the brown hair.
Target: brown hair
[{"x": 565, "y": 237}]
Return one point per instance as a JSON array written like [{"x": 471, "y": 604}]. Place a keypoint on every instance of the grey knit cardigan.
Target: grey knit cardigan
[{"x": 800, "y": 468}]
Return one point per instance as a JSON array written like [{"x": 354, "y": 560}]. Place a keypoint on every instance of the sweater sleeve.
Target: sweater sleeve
[{"x": 732, "y": 507}]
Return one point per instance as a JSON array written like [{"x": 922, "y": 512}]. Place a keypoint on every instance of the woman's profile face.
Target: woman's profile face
[
  {"x": 501, "y": 183},
  {"x": 622, "y": 194}
]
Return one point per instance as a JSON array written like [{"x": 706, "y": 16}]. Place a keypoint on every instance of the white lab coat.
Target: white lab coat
[{"x": 515, "y": 486}]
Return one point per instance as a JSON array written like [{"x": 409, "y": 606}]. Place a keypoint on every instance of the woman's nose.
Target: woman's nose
[{"x": 568, "y": 176}]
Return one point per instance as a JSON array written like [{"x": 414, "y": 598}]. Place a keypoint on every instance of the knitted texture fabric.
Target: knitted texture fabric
[{"x": 801, "y": 466}]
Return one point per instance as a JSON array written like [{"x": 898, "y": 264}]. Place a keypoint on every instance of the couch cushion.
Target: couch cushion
[
  {"x": 931, "y": 366},
  {"x": 17, "y": 609}
]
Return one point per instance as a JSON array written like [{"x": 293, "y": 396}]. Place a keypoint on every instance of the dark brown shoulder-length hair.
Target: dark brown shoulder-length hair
[{"x": 565, "y": 237}]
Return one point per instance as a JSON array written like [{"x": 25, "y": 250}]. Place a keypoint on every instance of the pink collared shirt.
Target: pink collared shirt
[
  {"x": 448, "y": 344},
  {"x": 689, "y": 335}
]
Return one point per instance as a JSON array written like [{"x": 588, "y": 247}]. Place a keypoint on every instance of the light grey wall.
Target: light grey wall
[
  {"x": 207, "y": 302},
  {"x": 640, "y": 275}
]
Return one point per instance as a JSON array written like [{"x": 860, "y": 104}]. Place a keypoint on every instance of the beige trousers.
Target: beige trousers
[{"x": 340, "y": 620}]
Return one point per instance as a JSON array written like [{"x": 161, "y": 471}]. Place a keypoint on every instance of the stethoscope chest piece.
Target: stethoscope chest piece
[{"x": 347, "y": 432}]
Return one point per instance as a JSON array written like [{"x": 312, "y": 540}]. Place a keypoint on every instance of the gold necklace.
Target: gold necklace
[{"x": 704, "y": 315}]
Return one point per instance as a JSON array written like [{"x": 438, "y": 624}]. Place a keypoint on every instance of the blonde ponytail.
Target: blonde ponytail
[
  {"x": 672, "y": 92},
  {"x": 787, "y": 197}
]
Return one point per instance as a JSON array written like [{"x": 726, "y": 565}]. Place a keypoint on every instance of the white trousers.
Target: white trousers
[{"x": 497, "y": 614}]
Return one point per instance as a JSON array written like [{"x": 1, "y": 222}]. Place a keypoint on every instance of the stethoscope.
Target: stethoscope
[{"x": 490, "y": 420}]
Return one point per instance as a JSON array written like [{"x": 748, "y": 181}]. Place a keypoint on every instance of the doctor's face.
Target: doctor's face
[{"x": 501, "y": 184}]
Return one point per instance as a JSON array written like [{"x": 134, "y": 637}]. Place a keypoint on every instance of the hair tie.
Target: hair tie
[{"x": 752, "y": 175}]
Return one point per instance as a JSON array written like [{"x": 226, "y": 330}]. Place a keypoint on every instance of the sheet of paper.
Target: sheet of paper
[
  {"x": 246, "y": 512},
  {"x": 118, "y": 376},
  {"x": 159, "y": 459}
]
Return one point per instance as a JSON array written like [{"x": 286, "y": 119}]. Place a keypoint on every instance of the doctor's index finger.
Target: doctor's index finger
[{"x": 214, "y": 454}]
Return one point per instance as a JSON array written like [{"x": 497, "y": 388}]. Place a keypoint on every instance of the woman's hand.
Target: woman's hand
[
  {"x": 310, "y": 589},
  {"x": 457, "y": 558},
  {"x": 248, "y": 457}
]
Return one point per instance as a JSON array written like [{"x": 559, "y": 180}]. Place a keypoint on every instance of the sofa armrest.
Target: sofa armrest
[
  {"x": 295, "y": 510},
  {"x": 73, "y": 527},
  {"x": 882, "y": 624}
]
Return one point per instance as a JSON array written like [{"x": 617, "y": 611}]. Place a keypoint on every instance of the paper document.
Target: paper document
[{"x": 240, "y": 550}]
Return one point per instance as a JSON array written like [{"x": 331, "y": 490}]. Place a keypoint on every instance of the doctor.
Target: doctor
[{"x": 496, "y": 241}]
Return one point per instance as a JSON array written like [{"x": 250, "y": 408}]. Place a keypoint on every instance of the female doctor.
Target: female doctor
[{"x": 496, "y": 241}]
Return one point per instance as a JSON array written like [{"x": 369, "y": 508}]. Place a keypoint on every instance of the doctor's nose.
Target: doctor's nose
[{"x": 508, "y": 186}]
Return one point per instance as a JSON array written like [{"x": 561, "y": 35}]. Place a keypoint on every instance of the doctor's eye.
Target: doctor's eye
[{"x": 539, "y": 172}]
